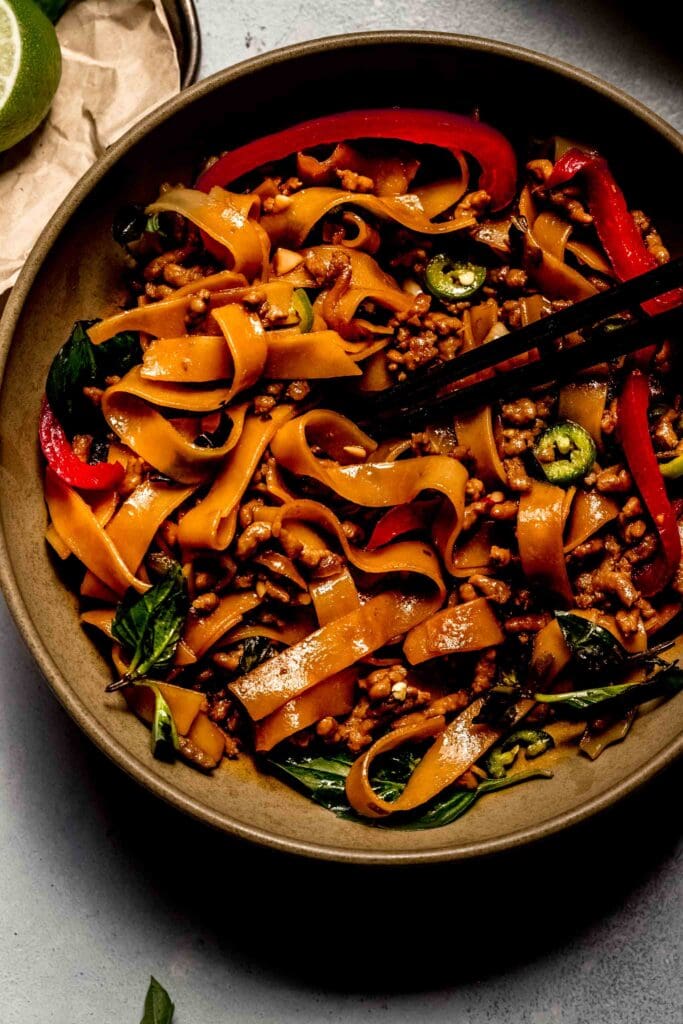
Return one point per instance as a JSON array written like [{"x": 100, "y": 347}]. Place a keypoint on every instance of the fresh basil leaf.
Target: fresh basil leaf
[
  {"x": 454, "y": 802},
  {"x": 323, "y": 779},
  {"x": 255, "y": 651},
  {"x": 499, "y": 707},
  {"x": 117, "y": 355},
  {"x": 165, "y": 743},
  {"x": 663, "y": 684},
  {"x": 73, "y": 368},
  {"x": 131, "y": 223},
  {"x": 149, "y": 625},
  {"x": 80, "y": 364},
  {"x": 593, "y": 647},
  {"x": 158, "y": 1006}
]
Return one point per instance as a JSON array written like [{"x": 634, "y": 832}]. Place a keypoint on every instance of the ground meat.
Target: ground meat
[
  {"x": 614, "y": 480},
  {"x": 520, "y": 412},
  {"x": 513, "y": 278},
  {"x": 484, "y": 671},
  {"x": 665, "y": 436},
  {"x": 517, "y": 476}
]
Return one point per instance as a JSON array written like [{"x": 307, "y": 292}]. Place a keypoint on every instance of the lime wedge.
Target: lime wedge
[{"x": 30, "y": 68}]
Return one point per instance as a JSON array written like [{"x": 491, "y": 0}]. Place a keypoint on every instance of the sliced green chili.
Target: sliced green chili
[
  {"x": 672, "y": 470},
  {"x": 452, "y": 279},
  {"x": 303, "y": 309},
  {"x": 503, "y": 755},
  {"x": 566, "y": 452}
]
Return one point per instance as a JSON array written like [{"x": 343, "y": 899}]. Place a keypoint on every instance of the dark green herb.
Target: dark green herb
[
  {"x": 158, "y": 1006},
  {"x": 499, "y": 704},
  {"x": 454, "y": 802},
  {"x": 504, "y": 754},
  {"x": 73, "y": 368},
  {"x": 255, "y": 650},
  {"x": 131, "y": 222},
  {"x": 99, "y": 450},
  {"x": 323, "y": 779},
  {"x": 80, "y": 364},
  {"x": 165, "y": 743},
  {"x": 149, "y": 626},
  {"x": 666, "y": 683},
  {"x": 118, "y": 355},
  {"x": 596, "y": 651}
]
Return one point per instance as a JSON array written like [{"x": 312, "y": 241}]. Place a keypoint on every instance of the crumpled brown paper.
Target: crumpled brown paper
[{"x": 118, "y": 63}]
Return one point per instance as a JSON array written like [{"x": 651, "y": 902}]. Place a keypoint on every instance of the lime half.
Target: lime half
[{"x": 30, "y": 68}]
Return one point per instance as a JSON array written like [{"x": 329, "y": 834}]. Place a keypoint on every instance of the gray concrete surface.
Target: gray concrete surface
[{"x": 101, "y": 886}]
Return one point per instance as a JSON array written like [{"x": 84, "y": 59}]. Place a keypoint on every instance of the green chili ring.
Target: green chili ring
[
  {"x": 565, "y": 452},
  {"x": 451, "y": 279}
]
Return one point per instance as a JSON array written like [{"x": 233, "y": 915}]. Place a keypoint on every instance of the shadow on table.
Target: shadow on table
[{"x": 375, "y": 930}]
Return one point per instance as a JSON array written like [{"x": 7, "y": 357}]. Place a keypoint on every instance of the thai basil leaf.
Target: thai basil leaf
[
  {"x": 131, "y": 222},
  {"x": 73, "y": 368},
  {"x": 149, "y": 625},
  {"x": 158, "y": 1006},
  {"x": 597, "y": 652},
  {"x": 117, "y": 355},
  {"x": 624, "y": 695},
  {"x": 165, "y": 742},
  {"x": 256, "y": 649},
  {"x": 593, "y": 647},
  {"x": 80, "y": 364},
  {"x": 452, "y": 804},
  {"x": 323, "y": 779}
]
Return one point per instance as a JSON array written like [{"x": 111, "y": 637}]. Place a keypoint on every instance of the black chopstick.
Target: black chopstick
[
  {"x": 577, "y": 317},
  {"x": 563, "y": 366}
]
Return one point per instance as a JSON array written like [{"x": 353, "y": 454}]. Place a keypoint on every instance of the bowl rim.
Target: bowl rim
[{"x": 139, "y": 770}]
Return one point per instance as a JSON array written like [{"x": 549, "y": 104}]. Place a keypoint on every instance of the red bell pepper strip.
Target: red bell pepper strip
[
  {"x": 634, "y": 433},
  {"x": 415, "y": 515},
  {"x": 614, "y": 224},
  {"x": 61, "y": 458},
  {"x": 453, "y": 132}
]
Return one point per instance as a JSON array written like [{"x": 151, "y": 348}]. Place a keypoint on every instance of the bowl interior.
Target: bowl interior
[{"x": 77, "y": 275}]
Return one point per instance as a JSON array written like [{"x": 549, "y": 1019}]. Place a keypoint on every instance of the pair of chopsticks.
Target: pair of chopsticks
[{"x": 420, "y": 399}]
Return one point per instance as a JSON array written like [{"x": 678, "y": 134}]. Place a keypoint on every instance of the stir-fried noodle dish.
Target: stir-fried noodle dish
[{"x": 395, "y": 623}]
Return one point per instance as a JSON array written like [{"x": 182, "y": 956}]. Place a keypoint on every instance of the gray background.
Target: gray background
[{"x": 100, "y": 885}]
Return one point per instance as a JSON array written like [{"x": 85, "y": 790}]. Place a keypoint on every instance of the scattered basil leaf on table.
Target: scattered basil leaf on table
[
  {"x": 323, "y": 780},
  {"x": 663, "y": 684},
  {"x": 158, "y": 1006},
  {"x": 149, "y": 625}
]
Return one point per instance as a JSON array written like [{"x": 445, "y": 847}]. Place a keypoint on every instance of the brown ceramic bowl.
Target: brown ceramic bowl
[{"x": 74, "y": 272}]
